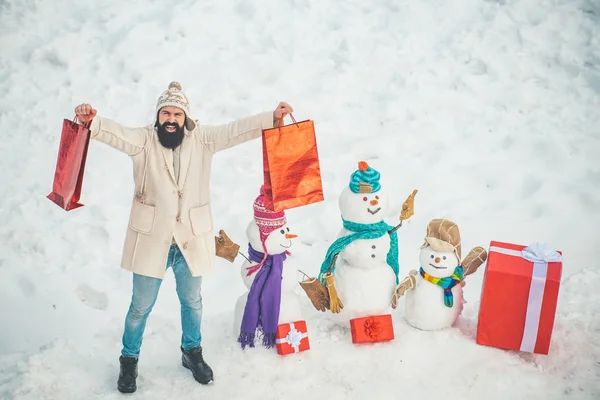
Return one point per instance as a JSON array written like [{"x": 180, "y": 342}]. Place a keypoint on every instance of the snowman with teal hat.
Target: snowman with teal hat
[{"x": 359, "y": 275}]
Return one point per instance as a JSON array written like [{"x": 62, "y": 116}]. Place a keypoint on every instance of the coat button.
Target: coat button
[
  {"x": 180, "y": 193},
  {"x": 178, "y": 219},
  {"x": 185, "y": 245}
]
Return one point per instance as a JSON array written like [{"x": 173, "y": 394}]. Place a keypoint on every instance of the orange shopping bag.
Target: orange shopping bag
[
  {"x": 292, "y": 175},
  {"x": 70, "y": 165}
]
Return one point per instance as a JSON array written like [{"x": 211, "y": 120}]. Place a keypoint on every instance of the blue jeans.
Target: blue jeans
[{"x": 145, "y": 291}]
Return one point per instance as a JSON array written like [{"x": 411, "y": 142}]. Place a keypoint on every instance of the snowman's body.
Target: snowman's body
[
  {"x": 425, "y": 308},
  {"x": 276, "y": 243},
  {"x": 363, "y": 279}
]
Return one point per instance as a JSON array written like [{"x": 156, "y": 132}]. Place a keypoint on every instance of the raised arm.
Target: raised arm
[
  {"x": 127, "y": 140},
  {"x": 222, "y": 137}
]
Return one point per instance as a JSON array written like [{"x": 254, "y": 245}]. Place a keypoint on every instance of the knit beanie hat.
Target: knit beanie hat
[
  {"x": 267, "y": 222},
  {"x": 174, "y": 97},
  {"x": 365, "y": 179}
]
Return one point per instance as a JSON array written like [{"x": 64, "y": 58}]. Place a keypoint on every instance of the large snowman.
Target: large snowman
[
  {"x": 270, "y": 276},
  {"x": 360, "y": 270},
  {"x": 434, "y": 294}
]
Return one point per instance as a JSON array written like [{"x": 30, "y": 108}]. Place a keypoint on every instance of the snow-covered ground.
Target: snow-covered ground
[{"x": 490, "y": 108}]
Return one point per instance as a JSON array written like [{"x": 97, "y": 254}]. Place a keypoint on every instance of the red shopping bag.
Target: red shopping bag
[
  {"x": 292, "y": 174},
  {"x": 68, "y": 176}
]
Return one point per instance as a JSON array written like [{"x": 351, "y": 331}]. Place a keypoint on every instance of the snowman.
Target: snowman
[
  {"x": 270, "y": 276},
  {"x": 360, "y": 272},
  {"x": 434, "y": 295}
]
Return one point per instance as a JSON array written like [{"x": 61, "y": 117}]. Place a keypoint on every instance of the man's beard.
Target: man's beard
[{"x": 168, "y": 139}]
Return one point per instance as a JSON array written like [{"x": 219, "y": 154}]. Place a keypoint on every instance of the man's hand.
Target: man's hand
[
  {"x": 85, "y": 113},
  {"x": 281, "y": 111}
]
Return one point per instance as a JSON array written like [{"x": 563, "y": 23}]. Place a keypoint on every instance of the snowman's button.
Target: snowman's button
[
  {"x": 372, "y": 255},
  {"x": 373, "y": 247}
]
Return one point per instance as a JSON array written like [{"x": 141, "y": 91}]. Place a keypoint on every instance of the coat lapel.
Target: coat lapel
[
  {"x": 185, "y": 155},
  {"x": 168, "y": 155}
]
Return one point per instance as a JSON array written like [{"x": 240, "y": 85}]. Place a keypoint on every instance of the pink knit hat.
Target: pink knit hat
[{"x": 267, "y": 222}]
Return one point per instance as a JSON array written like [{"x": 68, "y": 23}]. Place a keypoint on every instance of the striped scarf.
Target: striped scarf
[{"x": 446, "y": 283}]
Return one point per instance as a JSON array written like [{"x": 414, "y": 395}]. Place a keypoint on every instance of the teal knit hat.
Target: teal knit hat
[{"x": 365, "y": 179}]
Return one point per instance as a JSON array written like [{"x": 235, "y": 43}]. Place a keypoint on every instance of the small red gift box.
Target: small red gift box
[
  {"x": 292, "y": 338},
  {"x": 378, "y": 328},
  {"x": 519, "y": 297}
]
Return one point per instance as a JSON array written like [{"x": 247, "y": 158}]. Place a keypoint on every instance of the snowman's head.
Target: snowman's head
[
  {"x": 276, "y": 242},
  {"x": 273, "y": 235},
  {"x": 440, "y": 252},
  {"x": 439, "y": 264},
  {"x": 363, "y": 201},
  {"x": 364, "y": 208}
]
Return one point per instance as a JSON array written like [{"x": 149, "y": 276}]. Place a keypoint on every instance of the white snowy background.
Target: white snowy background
[{"x": 490, "y": 108}]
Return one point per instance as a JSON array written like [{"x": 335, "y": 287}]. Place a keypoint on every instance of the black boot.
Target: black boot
[
  {"x": 192, "y": 360},
  {"x": 128, "y": 374}
]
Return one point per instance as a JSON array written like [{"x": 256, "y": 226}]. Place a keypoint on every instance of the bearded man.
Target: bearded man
[{"x": 170, "y": 224}]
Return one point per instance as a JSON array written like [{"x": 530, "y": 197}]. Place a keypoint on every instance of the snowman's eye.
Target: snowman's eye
[
  {"x": 288, "y": 229},
  {"x": 377, "y": 197},
  {"x": 432, "y": 256},
  {"x": 365, "y": 199},
  {"x": 444, "y": 257},
  {"x": 282, "y": 231}
]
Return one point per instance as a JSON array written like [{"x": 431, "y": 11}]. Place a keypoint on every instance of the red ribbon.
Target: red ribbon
[{"x": 373, "y": 328}]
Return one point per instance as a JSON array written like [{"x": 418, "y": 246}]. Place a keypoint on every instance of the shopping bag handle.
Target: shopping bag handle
[
  {"x": 281, "y": 120},
  {"x": 78, "y": 121}
]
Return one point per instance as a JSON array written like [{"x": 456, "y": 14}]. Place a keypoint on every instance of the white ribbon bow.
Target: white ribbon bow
[
  {"x": 540, "y": 252},
  {"x": 294, "y": 338}
]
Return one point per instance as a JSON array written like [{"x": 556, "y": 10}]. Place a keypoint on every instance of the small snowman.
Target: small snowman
[
  {"x": 360, "y": 270},
  {"x": 434, "y": 295},
  {"x": 270, "y": 276}
]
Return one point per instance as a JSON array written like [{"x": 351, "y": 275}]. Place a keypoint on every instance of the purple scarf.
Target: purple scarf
[{"x": 262, "y": 306}]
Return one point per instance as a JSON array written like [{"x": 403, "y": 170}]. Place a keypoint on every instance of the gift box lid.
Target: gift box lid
[{"x": 515, "y": 265}]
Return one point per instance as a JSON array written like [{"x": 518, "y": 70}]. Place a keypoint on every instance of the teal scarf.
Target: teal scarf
[{"x": 363, "y": 231}]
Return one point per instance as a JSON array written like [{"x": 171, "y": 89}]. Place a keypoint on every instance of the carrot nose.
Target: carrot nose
[
  {"x": 374, "y": 202},
  {"x": 290, "y": 236},
  {"x": 437, "y": 260}
]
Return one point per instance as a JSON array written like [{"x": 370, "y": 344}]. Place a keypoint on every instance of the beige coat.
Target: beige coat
[{"x": 163, "y": 209}]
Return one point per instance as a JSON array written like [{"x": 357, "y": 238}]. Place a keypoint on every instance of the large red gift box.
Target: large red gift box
[
  {"x": 519, "y": 297},
  {"x": 378, "y": 328},
  {"x": 292, "y": 338}
]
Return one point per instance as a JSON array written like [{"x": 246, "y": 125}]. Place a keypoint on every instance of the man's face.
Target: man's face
[
  {"x": 171, "y": 115},
  {"x": 170, "y": 126}
]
